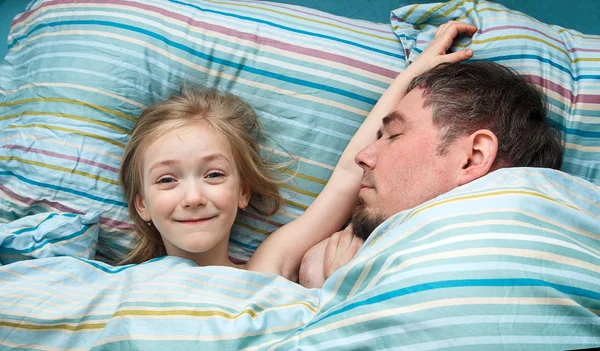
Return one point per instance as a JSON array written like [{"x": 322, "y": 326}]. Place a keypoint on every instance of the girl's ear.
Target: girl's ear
[
  {"x": 482, "y": 147},
  {"x": 244, "y": 200},
  {"x": 142, "y": 210}
]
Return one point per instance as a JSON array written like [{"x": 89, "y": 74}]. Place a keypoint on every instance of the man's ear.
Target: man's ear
[
  {"x": 481, "y": 150},
  {"x": 244, "y": 197},
  {"x": 142, "y": 210}
]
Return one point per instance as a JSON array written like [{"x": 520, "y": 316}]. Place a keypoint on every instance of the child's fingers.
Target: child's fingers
[
  {"x": 458, "y": 56},
  {"x": 453, "y": 28}
]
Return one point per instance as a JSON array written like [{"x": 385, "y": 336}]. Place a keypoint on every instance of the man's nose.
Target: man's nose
[
  {"x": 367, "y": 157},
  {"x": 194, "y": 195}
]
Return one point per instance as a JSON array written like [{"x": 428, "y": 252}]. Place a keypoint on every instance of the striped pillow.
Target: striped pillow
[
  {"x": 49, "y": 235},
  {"x": 78, "y": 73},
  {"x": 565, "y": 63}
]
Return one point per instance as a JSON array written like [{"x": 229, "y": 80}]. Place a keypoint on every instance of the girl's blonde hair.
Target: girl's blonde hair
[{"x": 230, "y": 117}]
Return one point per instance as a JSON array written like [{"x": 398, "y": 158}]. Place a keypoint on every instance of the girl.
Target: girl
[{"x": 192, "y": 162}]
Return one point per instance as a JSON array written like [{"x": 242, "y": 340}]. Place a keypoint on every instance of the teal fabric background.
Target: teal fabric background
[{"x": 581, "y": 15}]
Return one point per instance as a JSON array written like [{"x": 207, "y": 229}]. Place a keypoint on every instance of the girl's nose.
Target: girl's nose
[{"x": 193, "y": 196}]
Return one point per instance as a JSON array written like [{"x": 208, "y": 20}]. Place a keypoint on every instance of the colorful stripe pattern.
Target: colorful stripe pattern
[
  {"x": 511, "y": 260},
  {"x": 564, "y": 63},
  {"x": 49, "y": 235},
  {"x": 78, "y": 73}
]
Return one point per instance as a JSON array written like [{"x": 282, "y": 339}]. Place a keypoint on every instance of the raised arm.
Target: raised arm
[{"x": 282, "y": 251}]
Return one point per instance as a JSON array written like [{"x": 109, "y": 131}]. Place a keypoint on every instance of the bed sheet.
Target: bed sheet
[
  {"x": 511, "y": 260},
  {"x": 508, "y": 261}
]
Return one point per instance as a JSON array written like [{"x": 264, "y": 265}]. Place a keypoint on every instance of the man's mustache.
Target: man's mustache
[{"x": 369, "y": 179}]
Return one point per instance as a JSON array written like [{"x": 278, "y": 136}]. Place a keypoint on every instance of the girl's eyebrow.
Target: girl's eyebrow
[{"x": 206, "y": 158}]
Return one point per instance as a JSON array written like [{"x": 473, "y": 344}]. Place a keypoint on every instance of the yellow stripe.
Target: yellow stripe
[
  {"x": 434, "y": 9},
  {"x": 305, "y": 176},
  {"x": 247, "y": 226},
  {"x": 192, "y": 313},
  {"x": 46, "y": 126},
  {"x": 296, "y": 204},
  {"x": 413, "y": 7},
  {"x": 507, "y": 37},
  {"x": 65, "y": 115},
  {"x": 58, "y": 168},
  {"x": 75, "y": 86},
  {"x": 148, "y": 313},
  {"x": 491, "y": 193},
  {"x": 307, "y": 19},
  {"x": 479, "y": 196},
  {"x": 73, "y": 102},
  {"x": 298, "y": 190}
]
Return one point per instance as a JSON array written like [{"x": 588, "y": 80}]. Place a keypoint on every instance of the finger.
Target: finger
[
  {"x": 345, "y": 240},
  {"x": 356, "y": 245},
  {"x": 458, "y": 56},
  {"x": 330, "y": 252},
  {"x": 453, "y": 29}
]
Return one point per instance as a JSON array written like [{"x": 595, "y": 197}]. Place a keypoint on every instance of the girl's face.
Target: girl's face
[{"x": 191, "y": 193}]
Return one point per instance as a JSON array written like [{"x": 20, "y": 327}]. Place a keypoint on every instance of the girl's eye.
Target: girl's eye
[
  {"x": 394, "y": 136},
  {"x": 215, "y": 175},
  {"x": 166, "y": 180}
]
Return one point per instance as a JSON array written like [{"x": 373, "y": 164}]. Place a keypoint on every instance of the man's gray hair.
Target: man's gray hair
[{"x": 466, "y": 97}]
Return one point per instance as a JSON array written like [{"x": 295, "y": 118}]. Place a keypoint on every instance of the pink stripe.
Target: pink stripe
[
  {"x": 584, "y": 50},
  {"x": 71, "y": 158},
  {"x": 62, "y": 208},
  {"x": 258, "y": 218},
  {"x": 273, "y": 4},
  {"x": 581, "y": 98},
  {"x": 236, "y": 34}
]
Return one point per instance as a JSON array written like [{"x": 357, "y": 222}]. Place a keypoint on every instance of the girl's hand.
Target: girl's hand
[{"x": 435, "y": 53}]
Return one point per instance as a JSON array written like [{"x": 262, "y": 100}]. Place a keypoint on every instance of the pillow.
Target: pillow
[
  {"x": 78, "y": 73},
  {"x": 563, "y": 62},
  {"x": 49, "y": 235}
]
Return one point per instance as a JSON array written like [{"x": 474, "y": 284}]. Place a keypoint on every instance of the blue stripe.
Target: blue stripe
[
  {"x": 565, "y": 289},
  {"x": 113, "y": 270},
  {"x": 573, "y": 131},
  {"x": 24, "y": 230},
  {"x": 67, "y": 190},
  {"x": 244, "y": 245},
  {"x": 535, "y": 57},
  {"x": 328, "y": 37},
  {"x": 52, "y": 241},
  {"x": 210, "y": 58}
]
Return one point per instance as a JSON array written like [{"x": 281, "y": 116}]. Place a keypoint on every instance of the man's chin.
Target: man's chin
[{"x": 365, "y": 221}]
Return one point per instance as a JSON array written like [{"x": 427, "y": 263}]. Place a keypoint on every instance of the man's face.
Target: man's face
[{"x": 403, "y": 169}]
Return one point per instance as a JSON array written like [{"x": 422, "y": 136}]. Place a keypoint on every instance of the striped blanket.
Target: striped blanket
[{"x": 509, "y": 261}]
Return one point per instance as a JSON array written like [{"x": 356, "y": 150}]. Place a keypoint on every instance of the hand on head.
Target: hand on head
[{"x": 436, "y": 52}]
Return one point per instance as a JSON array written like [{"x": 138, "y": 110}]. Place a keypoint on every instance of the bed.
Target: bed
[{"x": 510, "y": 261}]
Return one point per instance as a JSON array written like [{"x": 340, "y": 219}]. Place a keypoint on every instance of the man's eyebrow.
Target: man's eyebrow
[{"x": 394, "y": 116}]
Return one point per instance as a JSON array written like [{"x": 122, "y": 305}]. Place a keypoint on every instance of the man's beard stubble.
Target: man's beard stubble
[{"x": 364, "y": 223}]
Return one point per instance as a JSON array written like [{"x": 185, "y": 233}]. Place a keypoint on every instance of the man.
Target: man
[{"x": 457, "y": 123}]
